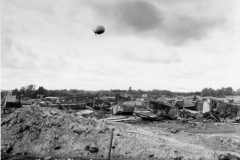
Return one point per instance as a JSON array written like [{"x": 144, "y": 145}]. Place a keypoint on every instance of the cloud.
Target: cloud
[
  {"x": 11, "y": 48},
  {"x": 139, "y": 15},
  {"x": 34, "y": 6},
  {"x": 162, "y": 44},
  {"x": 163, "y": 58},
  {"x": 7, "y": 47},
  {"x": 24, "y": 50},
  {"x": 175, "y": 26},
  {"x": 182, "y": 28},
  {"x": 55, "y": 64},
  {"x": 14, "y": 63},
  {"x": 90, "y": 70},
  {"x": 171, "y": 58}
]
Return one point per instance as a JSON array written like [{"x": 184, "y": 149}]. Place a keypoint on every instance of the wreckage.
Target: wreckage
[
  {"x": 200, "y": 108},
  {"x": 50, "y": 122},
  {"x": 188, "y": 108},
  {"x": 127, "y": 107},
  {"x": 10, "y": 103},
  {"x": 50, "y": 133},
  {"x": 215, "y": 109}
]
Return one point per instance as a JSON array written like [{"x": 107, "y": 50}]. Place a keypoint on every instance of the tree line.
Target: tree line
[
  {"x": 228, "y": 91},
  {"x": 31, "y": 92}
]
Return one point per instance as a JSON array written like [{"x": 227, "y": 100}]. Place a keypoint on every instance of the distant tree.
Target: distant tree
[
  {"x": 212, "y": 92},
  {"x": 29, "y": 93},
  {"x": 197, "y": 93},
  {"x": 4, "y": 93},
  {"x": 34, "y": 94},
  {"x": 73, "y": 91},
  {"x": 205, "y": 92},
  {"x": 218, "y": 93},
  {"x": 42, "y": 91},
  {"x": 228, "y": 91},
  {"x": 30, "y": 87},
  {"x": 130, "y": 90},
  {"x": 167, "y": 93},
  {"x": 22, "y": 90},
  {"x": 15, "y": 92},
  {"x": 238, "y": 91},
  {"x": 116, "y": 90}
]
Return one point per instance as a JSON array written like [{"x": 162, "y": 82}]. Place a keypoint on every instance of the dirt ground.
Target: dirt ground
[
  {"x": 215, "y": 136},
  {"x": 45, "y": 132},
  {"x": 199, "y": 127}
]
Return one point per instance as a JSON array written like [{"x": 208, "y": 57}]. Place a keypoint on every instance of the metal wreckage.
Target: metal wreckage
[
  {"x": 191, "y": 108},
  {"x": 84, "y": 125}
]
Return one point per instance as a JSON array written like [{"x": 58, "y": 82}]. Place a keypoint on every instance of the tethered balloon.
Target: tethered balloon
[{"x": 99, "y": 30}]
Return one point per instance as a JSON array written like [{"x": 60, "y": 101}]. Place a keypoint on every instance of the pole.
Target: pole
[{"x": 110, "y": 147}]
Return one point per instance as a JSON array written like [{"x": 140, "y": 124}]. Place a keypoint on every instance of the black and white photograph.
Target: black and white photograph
[{"x": 120, "y": 79}]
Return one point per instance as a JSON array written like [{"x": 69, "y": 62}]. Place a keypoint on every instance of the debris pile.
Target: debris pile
[
  {"x": 197, "y": 109},
  {"x": 228, "y": 157},
  {"x": 50, "y": 132}
]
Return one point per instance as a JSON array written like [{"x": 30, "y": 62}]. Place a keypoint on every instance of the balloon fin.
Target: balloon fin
[{"x": 95, "y": 32}]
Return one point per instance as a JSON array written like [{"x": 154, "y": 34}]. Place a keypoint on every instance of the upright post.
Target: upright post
[{"x": 110, "y": 147}]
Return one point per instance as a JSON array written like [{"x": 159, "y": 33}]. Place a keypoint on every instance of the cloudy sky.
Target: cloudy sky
[{"x": 177, "y": 45}]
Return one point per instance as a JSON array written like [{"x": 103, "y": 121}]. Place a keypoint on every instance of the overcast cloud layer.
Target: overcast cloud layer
[{"x": 178, "y": 45}]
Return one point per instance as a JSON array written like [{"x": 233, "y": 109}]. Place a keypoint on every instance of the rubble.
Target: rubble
[
  {"x": 128, "y": 119},
  {"x": 174, "y": 130},
  {"x": 228, "y": 157},
  {"x": 82, "y": 129},
  {"x": 146, "y": 115},
  {"x": 124, "y": 107},
  {"x": 43, "y": 131}
]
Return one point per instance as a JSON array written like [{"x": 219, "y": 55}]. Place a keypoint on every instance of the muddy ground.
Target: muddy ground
[
  {"x": 198, "y": 127},
  {"x": 49, "y": 132}
]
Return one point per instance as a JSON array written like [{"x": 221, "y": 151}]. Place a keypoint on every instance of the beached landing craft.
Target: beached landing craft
[{"x": 99, "y": 30}]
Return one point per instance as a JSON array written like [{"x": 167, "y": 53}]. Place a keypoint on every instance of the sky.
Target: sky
[{"x": 176, "y": 45}]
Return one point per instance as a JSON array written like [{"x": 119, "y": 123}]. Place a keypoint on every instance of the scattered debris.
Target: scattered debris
[
  {"x": 91, "y": 149},
  {"x": 174, "y": 130},
  {"x": 68, "y": 127},
  {"x": 228, "y": 157},
  {"x": 122, "y": 118},
  {"x": 146, "y": 115}
]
